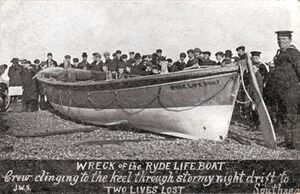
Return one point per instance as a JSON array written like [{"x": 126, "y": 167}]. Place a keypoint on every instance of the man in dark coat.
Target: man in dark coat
[
  {"x": 14, "y": 73},
  {"x": 198, "y": 55},
  {"x": 220, "y": 57},
  {"x": 180, "y": 64},
  {"x": 241, "y": 51},
  {"x": 49, "y": 62},
  {"x": 286, "y": 79},
  {"x": 255, "y": 56},
  {"x": 228, "y": 58},
  {"x": 207, "y": 61},
  {"x": 138, "y": 68},
  {"x": 30, "y": 86},
  {"x": 192, "y": 62},
  {"x": 84, "y": 63},
  {"x": 97, "y": 64}
]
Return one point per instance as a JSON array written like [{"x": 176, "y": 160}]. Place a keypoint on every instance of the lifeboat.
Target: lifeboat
[{"x": 193, "y": 104}]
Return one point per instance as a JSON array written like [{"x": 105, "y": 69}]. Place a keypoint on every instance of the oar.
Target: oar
[{"x": 265, "y": 121}]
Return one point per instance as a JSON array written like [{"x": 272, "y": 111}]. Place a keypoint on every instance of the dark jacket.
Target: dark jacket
[
  {"x": 209, "y": 63},
  {"x": 192, "y": 62},
  {"x": 14, "y": 74},
  {"x": 178, "y": 66},
  {"x": 95, "y": 66},
  {"x": 83, "y": 64},
  {"x": 139, "y": 69},
  {"x": 30, "y": 85},
  {"x": 287, "y": 68}
]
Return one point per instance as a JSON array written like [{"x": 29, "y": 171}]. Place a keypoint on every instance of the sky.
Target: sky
[{"x": 31, "y": 29}]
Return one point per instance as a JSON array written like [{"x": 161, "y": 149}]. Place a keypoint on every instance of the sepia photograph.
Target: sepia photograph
[{"x": 132, "y": 96}]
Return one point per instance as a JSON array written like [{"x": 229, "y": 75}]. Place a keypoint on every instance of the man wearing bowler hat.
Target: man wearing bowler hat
[
  {"x": 286, "y": 79},
  {"x": 84, "y": 63}
]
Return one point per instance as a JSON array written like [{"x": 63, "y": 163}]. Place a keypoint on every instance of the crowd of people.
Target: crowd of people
[{"x": 275, "y": 79}]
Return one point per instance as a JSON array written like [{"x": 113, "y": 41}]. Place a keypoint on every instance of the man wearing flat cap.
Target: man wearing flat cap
[
  {"x": 220, "y": 57},
  {"x": 192, "y": 63},
  {"x": 207, "y": 61},
  {"x": 198, "y": 55},
  {"x": 286, "y": 80},
  {"x": 180, "y": 64},
  {"x": 97, "y": 64},
  {"x": 84, "y": 63},
  {"x": 241, "y": 51}
]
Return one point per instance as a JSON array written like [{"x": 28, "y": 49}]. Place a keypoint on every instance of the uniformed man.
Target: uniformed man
[
  {"x": 220, "y": 57},
  {"x": 50, "y": 62},
  {"x": 241, "y": 51},
  {"x": 207, "y": 61},
  {"x": 286, "y": 78},
  {"x": 199, "y": 55},
  {"x": 84, "y": 63},
  {"x": 255, "y": 56},
  {"x": 192, "y": 62},
  {"x": 180, "y": 64}
]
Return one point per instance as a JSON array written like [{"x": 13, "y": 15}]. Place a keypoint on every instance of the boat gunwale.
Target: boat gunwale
[{"x": 210, "y": 72}]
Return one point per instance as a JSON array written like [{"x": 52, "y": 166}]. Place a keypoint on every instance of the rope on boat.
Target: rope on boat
[
  {"x": 158, "y": 98},
  {"x": 136, "y": 112},
  {"x": 100, "y": 109},
  {"x": 195, "y": 105}
]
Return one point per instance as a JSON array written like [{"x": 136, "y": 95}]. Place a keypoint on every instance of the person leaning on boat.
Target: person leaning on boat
[{"x": 286, "y": 78}]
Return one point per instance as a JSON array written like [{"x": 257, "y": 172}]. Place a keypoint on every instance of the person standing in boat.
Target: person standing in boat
[
  {"x": 180, "y": 64},
  {"x": 197, "y": 54},
  {"x": 207, "y": 61},
  {"x": 50, "y": 62},
  {"x": 84, "y": 63},
  {"x": 97, "y": 64},
  {"x": 219, "y": 57},
  {"x": 192, "y": 62},
  {"x": 286, "y": 79}
]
